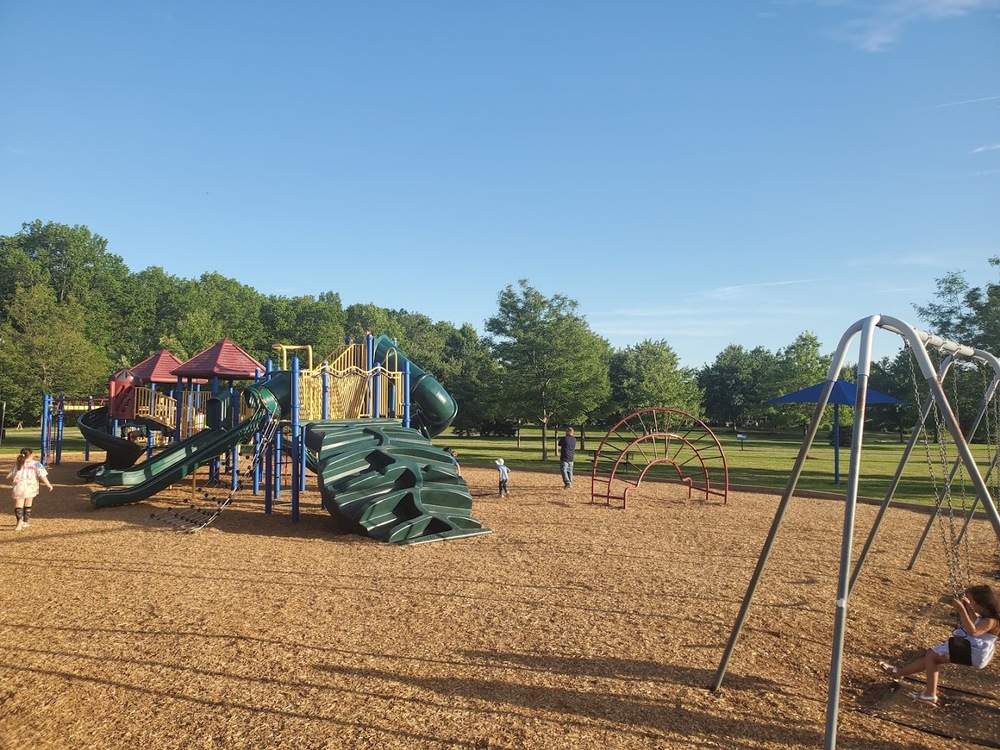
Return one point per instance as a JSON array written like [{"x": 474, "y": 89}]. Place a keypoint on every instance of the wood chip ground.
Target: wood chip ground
[{"x": 573, "y": 625}]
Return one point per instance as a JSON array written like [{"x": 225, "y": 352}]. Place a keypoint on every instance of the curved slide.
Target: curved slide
[
  {"x": 122, "y": 453},
  {"x": 180, "y": 460},
  {"x": 437, "y": 409}
]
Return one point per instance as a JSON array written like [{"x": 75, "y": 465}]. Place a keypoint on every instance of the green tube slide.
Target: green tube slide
[
  {"x": 436, "y": 408},
  {"x": 121, "y": 453}
]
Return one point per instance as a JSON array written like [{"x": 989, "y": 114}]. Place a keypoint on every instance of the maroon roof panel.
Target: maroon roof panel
[
  {"x": 222, "y": 359},
  {"x": 157, "y": 368}
]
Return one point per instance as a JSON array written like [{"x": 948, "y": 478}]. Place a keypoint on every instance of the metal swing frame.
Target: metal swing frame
[{"x": 918, "y": 341}]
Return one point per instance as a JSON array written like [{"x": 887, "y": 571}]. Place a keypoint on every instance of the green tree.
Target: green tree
[
  {"x": 964, "y": 313},
  {"x": 892, "y": 376},
  {"x": 17, "y": 270},
  {"x": 235, "y": 308},
  {"x": 969, "y": 315},
  {"x": 44, "y": 350},
  {"x": 553, "y": 368},
  {"x": 79, "y": 269},
  {"x": 159, "y": 303},
  {"x": 797, "y": 366},
  {"x": 423, "y": 341},
  {"x": 366, "y": 316},
  {"x": 197, "y": 331},
  {"x": 649, "y": 374},
  {"x": 470, "y": 374},
  {"x": 318, "y": 322},
  {"x": 736, "y": 384}
]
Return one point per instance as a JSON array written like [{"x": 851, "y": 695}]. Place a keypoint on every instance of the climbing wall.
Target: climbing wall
[{"x": 390, "y": 481}]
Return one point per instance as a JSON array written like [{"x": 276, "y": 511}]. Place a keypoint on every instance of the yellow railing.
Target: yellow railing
[
  {"x": 350, "y": 393},
  {"x": 347, "y": 357},
  {"x": 160, "y": 407}
]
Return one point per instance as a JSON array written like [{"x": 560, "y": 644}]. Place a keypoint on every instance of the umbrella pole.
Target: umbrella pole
[{"x": 836, "y": 444}]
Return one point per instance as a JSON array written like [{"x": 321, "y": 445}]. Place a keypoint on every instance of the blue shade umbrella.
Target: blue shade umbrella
[{"x": 844, "y": 392}]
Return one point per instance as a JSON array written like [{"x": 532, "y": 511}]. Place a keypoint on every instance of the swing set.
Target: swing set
[{"x": 937, "y": 406}]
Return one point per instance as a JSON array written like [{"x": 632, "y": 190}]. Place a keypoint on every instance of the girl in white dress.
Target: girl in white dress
[{"x": 26, "y": 475}]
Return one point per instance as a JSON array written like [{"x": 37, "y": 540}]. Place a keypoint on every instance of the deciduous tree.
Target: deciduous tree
[
  {"x": 553, "y": 368},
  {"x": 736, "y": 383},
  {"x": 649, "y": 374}
]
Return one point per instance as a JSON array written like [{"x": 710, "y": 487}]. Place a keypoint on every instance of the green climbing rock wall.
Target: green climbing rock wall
[{"x": 390, "y": 481}]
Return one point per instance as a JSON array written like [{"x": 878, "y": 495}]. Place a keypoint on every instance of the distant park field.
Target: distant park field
[{"x": 763, "y": 459}]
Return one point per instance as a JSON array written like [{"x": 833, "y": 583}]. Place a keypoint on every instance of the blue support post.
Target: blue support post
[
  {"x": 86, "y": 443},
  {"x": 149, "y": 432},
  {"x": 234, "y": 461},
  {"x": 406, "y": 393},
  {"x": 296, "y": 440},
  {"x": 60, "y": 422},
  {"x": 370, "y": 365},
  {"x": 255, "y": 479},
  {"x": 325, "y": 380},
  {"x": 269, "y": 458},
  {"x": 213, "y": 466},
  {"x": 46, "y": 421},
  {"x": 178, "y": 395},
  {"x": 279, "y": 451}
]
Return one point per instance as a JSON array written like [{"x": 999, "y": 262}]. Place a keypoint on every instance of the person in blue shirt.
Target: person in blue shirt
[
  {"x": 503, "y": 473},
  {"x": 454, "y": 460}
]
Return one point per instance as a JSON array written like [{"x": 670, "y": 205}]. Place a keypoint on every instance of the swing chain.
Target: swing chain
[{"x": 949, "y": 537}]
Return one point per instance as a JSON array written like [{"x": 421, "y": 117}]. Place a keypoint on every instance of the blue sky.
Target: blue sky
[{"x": 705, "y": 173}]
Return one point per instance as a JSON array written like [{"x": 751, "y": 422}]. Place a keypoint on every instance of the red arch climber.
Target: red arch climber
[{"x": 666, "y": 444}]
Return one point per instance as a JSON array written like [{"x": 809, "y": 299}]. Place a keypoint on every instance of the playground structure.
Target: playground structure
[
  {"x": 381, "y": 472},
  {"x": 661, "y": 443},
  {"x": 936, "y": 403}
]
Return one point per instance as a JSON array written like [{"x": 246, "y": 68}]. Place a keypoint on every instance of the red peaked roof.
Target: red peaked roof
[
  {"x": 156, "y": 369},
  {"x": 222, "y": 359}
]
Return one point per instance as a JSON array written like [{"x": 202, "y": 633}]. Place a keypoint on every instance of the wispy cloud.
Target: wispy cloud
[
  {"x": 966, "y": 101},
  {"x": 884, "y": 21},
  {"x": 900, "y": 290},
  {"x": 981, "y": 149},
  {"x": 740, "y": 291},
  {"x": 943, "y": 259}
]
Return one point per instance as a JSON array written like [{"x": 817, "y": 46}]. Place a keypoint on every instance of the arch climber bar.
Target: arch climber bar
[{"x": 659, "y": 443}]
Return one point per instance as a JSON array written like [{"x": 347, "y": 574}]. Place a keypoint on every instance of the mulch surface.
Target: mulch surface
[{"x": 572, "y": 625}]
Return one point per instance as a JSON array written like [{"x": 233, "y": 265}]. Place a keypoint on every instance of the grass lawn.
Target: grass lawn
[{"x": 763, "y": 460}]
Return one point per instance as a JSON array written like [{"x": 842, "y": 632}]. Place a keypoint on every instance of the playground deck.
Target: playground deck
[{"x": 573, "y": 625}]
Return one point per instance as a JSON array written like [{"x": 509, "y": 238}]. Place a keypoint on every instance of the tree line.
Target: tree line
[{"x": 72, "y": 314}]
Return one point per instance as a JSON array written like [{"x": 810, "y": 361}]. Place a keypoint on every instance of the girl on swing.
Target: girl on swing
[{"x": 973, "y": 644}]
